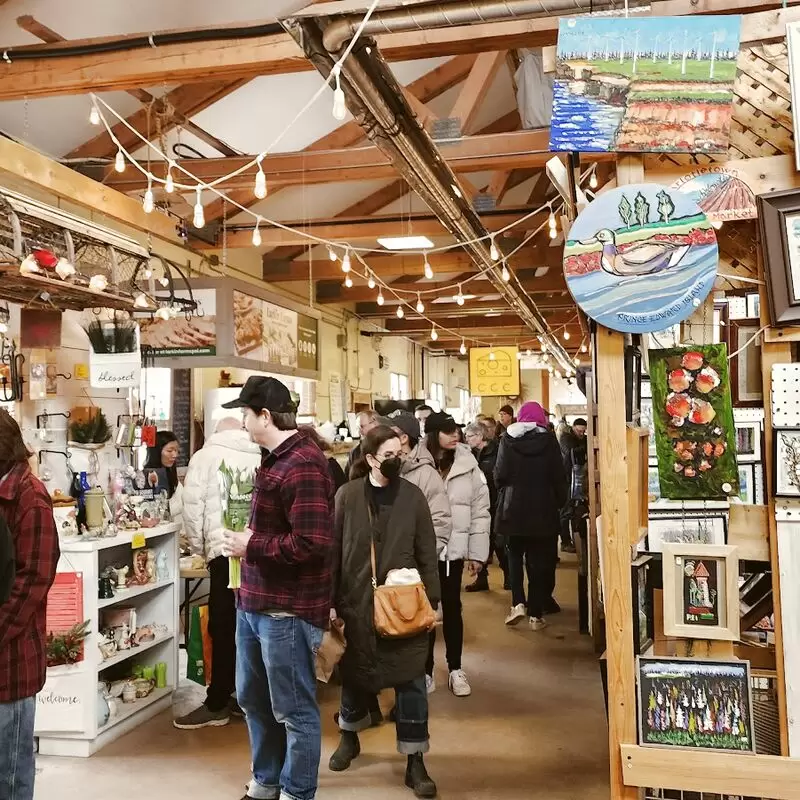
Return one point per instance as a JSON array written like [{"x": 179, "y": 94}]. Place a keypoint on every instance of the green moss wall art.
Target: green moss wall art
[{"x": 695, "y": 435}]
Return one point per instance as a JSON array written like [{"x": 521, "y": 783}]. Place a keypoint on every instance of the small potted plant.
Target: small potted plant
[
  {"x": 66, "y": 648},
  {"x": 90, "y": 434}
]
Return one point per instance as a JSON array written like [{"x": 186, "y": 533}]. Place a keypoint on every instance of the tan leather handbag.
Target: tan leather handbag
[{"x": 400, "y": 611}]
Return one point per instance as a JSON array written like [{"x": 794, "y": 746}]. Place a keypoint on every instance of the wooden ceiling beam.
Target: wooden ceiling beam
[
  {"x": 474, "y": 89},
  {"x": 506, "y": 320},
  {"x": 476, "y": 307},
  {"x": 35, "y": 75}
]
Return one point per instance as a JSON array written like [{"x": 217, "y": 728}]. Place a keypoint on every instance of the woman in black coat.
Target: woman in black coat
[
  {"x": 532, "y": 490},
  {"x": 379, "y": 506}
]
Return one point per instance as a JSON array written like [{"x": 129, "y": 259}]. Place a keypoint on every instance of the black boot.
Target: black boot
[
  {"x": 417, "y": 777},
  {"x": 348, "y": 749},
  {"x": 481, "y": 582}
]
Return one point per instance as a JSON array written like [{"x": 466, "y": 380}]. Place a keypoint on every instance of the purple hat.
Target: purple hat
[{"x": 532, "y": 412}]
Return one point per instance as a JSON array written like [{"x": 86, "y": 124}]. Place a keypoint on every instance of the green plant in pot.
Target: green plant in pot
[
  {"x": 93, "y": 431},
  {"x": 112, "y": 336}
]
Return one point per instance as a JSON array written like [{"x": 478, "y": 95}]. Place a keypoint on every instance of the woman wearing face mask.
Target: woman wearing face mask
[
  {"x": 468, "y": 493},
  {"x": 377, "y": 506},
  {"x": 164, "y": 455}
]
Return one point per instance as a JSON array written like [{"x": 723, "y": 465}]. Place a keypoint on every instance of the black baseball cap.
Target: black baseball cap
[
  {"x": 262, "y": 392},
  {"x": 439, "y": 422},
  {"x": 405, "y": 422}
]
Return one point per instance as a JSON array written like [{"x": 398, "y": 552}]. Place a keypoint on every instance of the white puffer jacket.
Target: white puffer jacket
[
  {"x": 202, "y": 506},
  {"x": 468, "y": 493}
]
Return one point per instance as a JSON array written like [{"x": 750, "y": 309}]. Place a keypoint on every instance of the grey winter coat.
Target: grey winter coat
[
  {"x": 419, "y": 469},
  {"x": 404, "y": 537}
]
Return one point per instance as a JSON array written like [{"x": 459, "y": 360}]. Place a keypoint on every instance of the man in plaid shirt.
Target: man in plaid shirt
[
  {"x": 285, "y": 596},
  {"x": 26, "y": 509}
]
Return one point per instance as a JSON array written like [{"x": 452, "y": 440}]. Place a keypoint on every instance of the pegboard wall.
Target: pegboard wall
[{"x": 786, "y": 395}]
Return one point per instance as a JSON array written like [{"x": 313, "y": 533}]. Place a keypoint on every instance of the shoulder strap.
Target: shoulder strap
[{"x": 372, "y": 559}]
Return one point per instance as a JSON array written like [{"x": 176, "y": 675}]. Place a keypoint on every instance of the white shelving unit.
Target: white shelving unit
[{"x": 67, "y": 706}]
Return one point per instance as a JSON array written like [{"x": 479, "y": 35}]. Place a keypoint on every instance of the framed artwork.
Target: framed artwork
[
  {"x": 779, "y": 226},
  {"x": 683, "y": 528},
  {"x": 638, "y": 258},
  {"x": 786, "y": 459},
  {"x": 644, "y": 390},
  {"x": 746, "y": 382},
  {"x": 758, "y": 485},
  {"x": 653, "y": 486},
  {"x": 701, "y": 591},
  {"x": 646, "y": 421},
  {"x": 642, "y": 594},
  {"x": 747, "y": 479},
  {"x": 694, "y": 429},
  {"x": 748, "y": 441},
  {"x": 616, "y": 78},
  {"x": 695, "y": 704},
  {"x": 753, "y": 305},
  {"x": 633, "y": 371}
]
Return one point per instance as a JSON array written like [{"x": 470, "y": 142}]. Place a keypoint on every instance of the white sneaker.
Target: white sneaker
[
  {"x": 459, "y": 685},
  {"x": 430, "y": 684},
  {"x": 537, "y": 623},
  {"x": 517, "y": 614}
]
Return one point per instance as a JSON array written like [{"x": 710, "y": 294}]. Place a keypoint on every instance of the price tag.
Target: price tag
[
  {"x": 81, "y": 372},
  {"x": 138, "y": 541}
]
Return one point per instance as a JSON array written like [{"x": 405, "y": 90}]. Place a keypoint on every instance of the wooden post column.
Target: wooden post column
[{"x": 616, "y": 531}]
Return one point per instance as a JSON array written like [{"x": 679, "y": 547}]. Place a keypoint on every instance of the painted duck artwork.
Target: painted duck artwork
[{"x": 640, "y": 258}]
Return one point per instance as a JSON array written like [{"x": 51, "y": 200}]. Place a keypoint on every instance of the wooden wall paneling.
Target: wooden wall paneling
[
  {"x": 787, "y": 535},
  {"x": 748, "y": 529}
]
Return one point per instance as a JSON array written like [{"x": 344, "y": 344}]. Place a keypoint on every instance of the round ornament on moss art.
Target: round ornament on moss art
[{"x": 640, "y": 258}]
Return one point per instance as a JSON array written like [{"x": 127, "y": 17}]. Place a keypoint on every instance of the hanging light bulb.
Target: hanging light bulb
[
  {"x": 119, "y": 161},
  {"x": 459, "y": 297},
  {"x": 94, "y": 116},
  {"x": 199, "y": 219},
  {"x": 492, "y": 356},
  {"x": 400, "y": 312},
  {"x": 420, "y": 304},
  {"x": 346, "y": 261},
  {"x": 260, "y": 189},
  {"x": 584, "y": 348},
  {"x": 593, "y": 181},
  {"x": 257, "y": 234},
  {"x": 98, "y": 283},
  {"x": 566, "y": 335},
  {"x": 339, "y": 103},
  {"x": 558, "y": 373},
  {"x": 147, "y": 203},
  {"x": 140, "y": 300},
  {"x": 519, "y": 355},
  {"x": 551, "y": 220},
  {"x": 577, "y": 361},
  {"x": 463, "y": 348},
  {"x": 427, "y": 269},
  {"x": 544, "y": 346},
  {"x": 553, "y": 233},
  {"x": 332, "y": 253},
  {"x": 348, "y": 281},
  {"x": 505, "y": 274},
  {"x": 379, "y": 298},
  {"x": 493, "y": 251},
  {"x": 169, "y": 184},
  {"x": 370, "y": 281},
  {"x": 434, "y": 334}
]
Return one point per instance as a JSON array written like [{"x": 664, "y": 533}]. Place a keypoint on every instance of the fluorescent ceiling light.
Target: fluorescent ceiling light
[
  {"x": 493, "y": 314},
  {"x": 406, "y": 242}
]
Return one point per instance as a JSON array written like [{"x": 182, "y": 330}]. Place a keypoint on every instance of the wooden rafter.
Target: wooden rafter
[
  {"x": 508, "y": 320},
  {"x": 440, "y": 310},
  {"x": 474, "y": 89}
]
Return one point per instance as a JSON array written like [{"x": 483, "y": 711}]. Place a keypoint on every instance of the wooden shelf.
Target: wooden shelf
[{"x": 124, "y": 655}]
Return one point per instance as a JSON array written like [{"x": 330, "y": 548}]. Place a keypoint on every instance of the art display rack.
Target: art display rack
[{"x": 76, "y": 686}]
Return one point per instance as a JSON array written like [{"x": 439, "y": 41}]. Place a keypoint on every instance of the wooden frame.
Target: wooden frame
[
  {"x": 780, "y": 484},
  {"x": 741, "y": 364},
  {"x": 675, "y": 556},
  {"x": 718, "y": 528},
  {"x": 746, "y": 456},
  {"x": 642, "y": 580}
]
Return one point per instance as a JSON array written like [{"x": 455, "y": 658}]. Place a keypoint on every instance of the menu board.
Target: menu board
[
  {"x": 306, "y": 342},
  {"x": 181, "y": 416}
]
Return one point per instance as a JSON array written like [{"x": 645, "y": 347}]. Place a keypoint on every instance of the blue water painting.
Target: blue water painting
[{"x": 582, "y": 123}]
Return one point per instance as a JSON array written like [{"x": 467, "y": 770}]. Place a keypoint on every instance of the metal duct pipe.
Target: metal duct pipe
[{"x": 443, "y": 15}]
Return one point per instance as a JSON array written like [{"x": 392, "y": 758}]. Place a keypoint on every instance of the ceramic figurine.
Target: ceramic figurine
[
  {"x": 103, "y": 709},
  {"x": 121, "y": 575},
  {"x": 129, "y": 692},
  {"x": 140, "y": 559},
  {"x": 107, "y": 644},
  {"x": 124, "y": 637},
  {"x": 144, "y": 634},
  {"x": 162, "y": 569},
  {"x": 150, "y": 567}
]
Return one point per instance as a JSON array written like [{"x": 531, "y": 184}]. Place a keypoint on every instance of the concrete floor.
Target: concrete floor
[{"x": 533, "y": 727}]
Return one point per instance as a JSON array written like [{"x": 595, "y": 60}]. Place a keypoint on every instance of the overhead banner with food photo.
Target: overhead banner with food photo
[{"x": 179, "y": 336}]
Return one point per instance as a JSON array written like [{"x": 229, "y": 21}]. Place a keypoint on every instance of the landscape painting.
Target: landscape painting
[
  {"x": 644, "y": 84},
  {"x": 695, "y": 433},
  {"x": 720, "y": 193},
  {"x": 640, "y": 258},
  {"x": 697, "y": 704}
]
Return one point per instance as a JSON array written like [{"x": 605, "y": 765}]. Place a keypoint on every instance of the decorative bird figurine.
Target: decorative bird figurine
[{"x": 643, "y": 258}]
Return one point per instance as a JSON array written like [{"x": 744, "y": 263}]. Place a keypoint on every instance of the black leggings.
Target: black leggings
[
  {"x": 538, "y": 557},
  {"x": 452, "y": 621}
]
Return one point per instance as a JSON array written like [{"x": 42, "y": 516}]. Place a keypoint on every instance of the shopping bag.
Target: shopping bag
[
  {"x": 195, "y": 665},
  {"x": 331, "y": 650},
  {"x": 207, "y": 660}
]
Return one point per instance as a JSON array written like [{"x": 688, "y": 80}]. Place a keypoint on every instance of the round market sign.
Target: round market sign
[{"x": 640, "y": 258}]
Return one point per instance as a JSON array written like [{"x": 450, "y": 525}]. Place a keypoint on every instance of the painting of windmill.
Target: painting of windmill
[
  {"x": 644, "y": 85},
  {"x": 640, "y": 258}
]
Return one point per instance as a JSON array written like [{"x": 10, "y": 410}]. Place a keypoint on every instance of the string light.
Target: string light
[
  {"x": 434, "y": 334},
  {"x": 505, "y": 274},
  {"x": 584, "y": 348},
  {"x": 428, "y": 270},
  {"x": 566, "y": 335},
  {"x": 348, "y": 281},
  {"x": 593, "y": 181},
  {"x": 543, "y": 346},
  {"x": 346, "y": 261},
  {"x": 459, "y": 297},
  {"x": 400, "y": 312},
  {"x": 519, "y": 355},
  {"x": 493, "y": 251},
  {"x": 147, "y": 203},
  {"x": 119, "y": 161},
  {"x": 370, "y": 281},
  {"x": 199, "y": 219},
  {"x": 332, "y": 254},
  {"x": 492, "y": 356},
  {"x": 94, "y": 116},
  {"x": 463, "y": 348},
  {"x": 169, "y": 183},
  {"x": 260, "y": 189},
  {"x": 553, "y": 233},
  {"x": 339, "y": 102},
  {"x": 257, "y": 234},
  {"x": 380, "y": 299},
  {"x": 420, "y": 304},
  {"x": 528, "y": 352},
  {"x": 551, "y": 220},
  {"x": 558, "y": 373},
  {"x": 577, "y": 361}
]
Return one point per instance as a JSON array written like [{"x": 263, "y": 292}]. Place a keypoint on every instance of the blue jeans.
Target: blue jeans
[
  {"x": 17, "y": 767},
  {"x": 276, "y": 686}
]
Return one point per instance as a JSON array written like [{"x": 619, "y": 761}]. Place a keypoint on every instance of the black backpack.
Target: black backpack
[{"x": 8, "y": 567}]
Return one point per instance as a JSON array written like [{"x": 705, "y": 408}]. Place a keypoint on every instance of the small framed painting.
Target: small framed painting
[
  {"x": 653, "y": 485},
  {"x": 744, "y": 344},
  {"x": 748, "y": 442},
  {"x": 702, "y": 704},
  {"x": 642, "y": 594},
  {"x": 786, "y": 458},
  {"x": 704, "y": 529},
  {"x": 747, "y": 489},
  {"x": 701, "y": 592}
]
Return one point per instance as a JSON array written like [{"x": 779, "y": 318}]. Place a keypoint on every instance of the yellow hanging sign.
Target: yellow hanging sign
[{"x": 493, "y": 371}]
